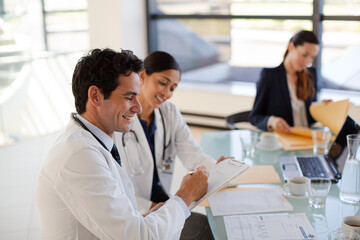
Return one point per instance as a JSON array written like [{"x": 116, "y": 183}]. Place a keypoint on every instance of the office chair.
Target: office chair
[{"x": 237, "y": 117}]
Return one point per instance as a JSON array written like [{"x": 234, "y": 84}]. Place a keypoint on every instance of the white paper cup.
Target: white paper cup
[
  {"x": 351, "y": 227},
  {"x": 269, "y": 140},
  {"x": 299, "y": 185}
]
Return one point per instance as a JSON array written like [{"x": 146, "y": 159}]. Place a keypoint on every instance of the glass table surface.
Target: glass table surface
[{"x": 324, "y": 220}]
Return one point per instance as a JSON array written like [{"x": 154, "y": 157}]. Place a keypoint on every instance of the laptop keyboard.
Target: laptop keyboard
[{"x": 311, "y": 167}]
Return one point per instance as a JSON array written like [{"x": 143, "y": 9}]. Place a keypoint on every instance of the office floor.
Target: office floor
[{"x": 19, "y": 165}]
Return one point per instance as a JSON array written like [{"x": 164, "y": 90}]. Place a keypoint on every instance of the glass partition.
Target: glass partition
[
  {"x": 249, "y": 7},
  {"x": 220, "y": 41},
  {"x": 341, "y": 51},
  {"x": 342, "y": 7}
]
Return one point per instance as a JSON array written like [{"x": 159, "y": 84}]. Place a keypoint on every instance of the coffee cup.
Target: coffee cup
[
  {"x": 351, "y": 227},
  {"x": 269, "y": 140},
  {"x": 299, "y": 185}
]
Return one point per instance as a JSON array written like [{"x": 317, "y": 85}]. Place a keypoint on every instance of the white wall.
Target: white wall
[{"x": 118, "y": 24}]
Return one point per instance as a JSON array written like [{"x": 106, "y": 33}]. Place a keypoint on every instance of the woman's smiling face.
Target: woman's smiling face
[{"x": 158, "y": 87}]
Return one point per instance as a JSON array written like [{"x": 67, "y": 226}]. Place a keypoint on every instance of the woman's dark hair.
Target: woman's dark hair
[
  {"x": 101, "y": 68},
  {"x": 304, "y": 86},
  {"x": 159, "y": 61}
]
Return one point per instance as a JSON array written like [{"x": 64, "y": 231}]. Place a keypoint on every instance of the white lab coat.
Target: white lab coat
[
  {"x": 82, "y": 193},
  {"x": 182, "y": 144}
]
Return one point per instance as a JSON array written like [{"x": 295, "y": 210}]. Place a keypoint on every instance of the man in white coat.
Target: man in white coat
[{"x": 82, "y": 191}]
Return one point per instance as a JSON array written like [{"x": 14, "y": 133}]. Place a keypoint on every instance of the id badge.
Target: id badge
[{"x": 166, "y": 165}]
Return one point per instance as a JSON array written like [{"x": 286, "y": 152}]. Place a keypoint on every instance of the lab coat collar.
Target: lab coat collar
[{"x": 107, "y": 140}]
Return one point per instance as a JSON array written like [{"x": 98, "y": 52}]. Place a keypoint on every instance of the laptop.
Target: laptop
[{"x": 329, "y": 165}]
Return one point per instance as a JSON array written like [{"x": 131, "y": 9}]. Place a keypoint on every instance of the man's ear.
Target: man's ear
[
  {"x": 291, "y": 46},
  {"x": 142, "y": 76},
  {"x": 95, "y": 96}
]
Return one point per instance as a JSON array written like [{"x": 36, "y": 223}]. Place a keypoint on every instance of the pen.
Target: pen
[{"x": 191, "y": 172}]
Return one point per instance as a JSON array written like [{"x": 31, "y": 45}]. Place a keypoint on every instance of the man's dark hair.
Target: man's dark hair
[{"x": 102, "y": 68}]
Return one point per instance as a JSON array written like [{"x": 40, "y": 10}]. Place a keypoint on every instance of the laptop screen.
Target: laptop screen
[{"x": 338, "y": 151}]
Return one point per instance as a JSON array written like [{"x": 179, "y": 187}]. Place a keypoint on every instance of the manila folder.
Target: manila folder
[{"x": 331, "y": 114}]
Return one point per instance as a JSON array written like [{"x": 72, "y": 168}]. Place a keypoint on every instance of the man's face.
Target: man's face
[{"x": 117, "y": 112}]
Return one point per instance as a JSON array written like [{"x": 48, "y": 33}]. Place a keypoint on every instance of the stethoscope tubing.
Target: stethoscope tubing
[{"x": 165, "y": 146}]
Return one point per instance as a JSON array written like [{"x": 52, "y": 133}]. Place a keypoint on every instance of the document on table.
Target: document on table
[
  {"x": 228, "y": 203},
  {"x": 220, "y": 175},
  {"x": 269, "y": 227}
]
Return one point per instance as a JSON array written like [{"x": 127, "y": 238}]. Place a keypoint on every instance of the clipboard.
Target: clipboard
[{"x": 220, "y": 175}]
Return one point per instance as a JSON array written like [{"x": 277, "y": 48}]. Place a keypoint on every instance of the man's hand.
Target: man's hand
[
  {"x": 193, "y": 186},
  {"x": 222, "y": 158}
]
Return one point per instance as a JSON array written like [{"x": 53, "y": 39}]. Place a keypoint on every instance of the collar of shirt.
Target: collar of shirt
[
  {"x": 106, "y": 139},
  {"x": 148, "y": 129}
]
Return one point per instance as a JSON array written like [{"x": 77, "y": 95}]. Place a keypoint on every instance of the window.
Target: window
[
  {"x": 229, "y": 41},
  {"x": 65, "y": 25}
]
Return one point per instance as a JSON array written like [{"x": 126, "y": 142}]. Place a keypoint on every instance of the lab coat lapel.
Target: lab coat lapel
[
  {"x": 146, "y": 152},
  {"x": 165, "y": 178},
  {"x": 159, "y": 135}
]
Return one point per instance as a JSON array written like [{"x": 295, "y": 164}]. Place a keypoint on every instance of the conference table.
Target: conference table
[{"x": 324, "y": 220}]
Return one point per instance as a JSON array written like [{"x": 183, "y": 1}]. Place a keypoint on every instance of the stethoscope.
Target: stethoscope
[
  {"x": 165, "y": 164},
  {"x": 84, "y": 127}
]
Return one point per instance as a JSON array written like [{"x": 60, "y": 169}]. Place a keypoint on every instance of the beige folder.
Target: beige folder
[
  {"x": 257, "y": 174},
  {"x": 293, "y": 142},
  {"x": 298, "y": 139},
  {"x": 331, "y": 114}
]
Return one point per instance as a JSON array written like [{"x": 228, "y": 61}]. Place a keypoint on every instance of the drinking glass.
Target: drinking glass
[
  {"x": 248, "y": 141},
  {"x": 318, "y": 192},
  {"x": 321, "y": 137}
]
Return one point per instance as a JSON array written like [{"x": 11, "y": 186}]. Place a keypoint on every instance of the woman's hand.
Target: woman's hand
[
  {"x": 326, "y": 101},
  {"x": 279, "y": 124}
]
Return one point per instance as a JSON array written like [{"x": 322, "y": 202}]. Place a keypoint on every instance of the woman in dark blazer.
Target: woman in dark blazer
[{"x": 285, "y": 93}]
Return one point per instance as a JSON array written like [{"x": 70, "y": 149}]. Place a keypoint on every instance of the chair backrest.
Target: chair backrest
[{"x": 237, "y": 117}]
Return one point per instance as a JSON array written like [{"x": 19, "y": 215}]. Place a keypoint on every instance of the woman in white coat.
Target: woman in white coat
[{"x": 157, "y": 137}]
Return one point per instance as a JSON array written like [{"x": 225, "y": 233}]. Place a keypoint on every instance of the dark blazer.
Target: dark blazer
[{"x": 273, "y": 98}]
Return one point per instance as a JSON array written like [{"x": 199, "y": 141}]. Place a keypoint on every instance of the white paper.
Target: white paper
[
  {"x": 220, "y": 175},
  {"x": 228, "y": 203},
  {"x": 269, "y": 226}
]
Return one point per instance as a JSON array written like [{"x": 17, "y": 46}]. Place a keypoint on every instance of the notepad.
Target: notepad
[
  {"x": 206, "y": 203},
  {"x": 245, "y": 202},
  {"x": 220, "y": 175}
]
